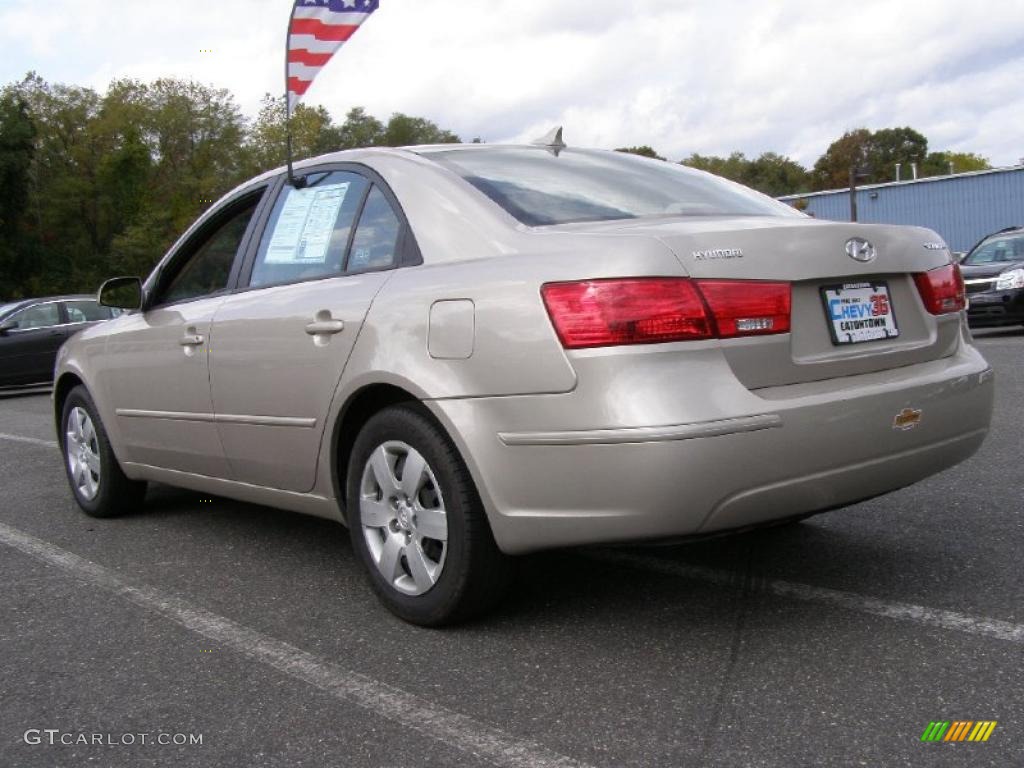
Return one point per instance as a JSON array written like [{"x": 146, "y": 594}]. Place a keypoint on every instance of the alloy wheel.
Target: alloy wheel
[
  {"x": 403, "y": 517},
  {"x": 82, "y": 449}
]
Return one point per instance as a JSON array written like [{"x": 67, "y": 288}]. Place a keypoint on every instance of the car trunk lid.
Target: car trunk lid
[{"x": 812, "y": 256}]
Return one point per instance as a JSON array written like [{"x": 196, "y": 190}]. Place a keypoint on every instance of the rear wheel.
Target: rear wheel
[
  {"x": 417, "y": 523},
  {"x": 99, "y": 485}
]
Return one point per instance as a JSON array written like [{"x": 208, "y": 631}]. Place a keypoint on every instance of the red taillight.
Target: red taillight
[
  {"x": 747, "y": 308},
  {"x": 601, "y": 313},
  {"x": 942, "y": 289}
]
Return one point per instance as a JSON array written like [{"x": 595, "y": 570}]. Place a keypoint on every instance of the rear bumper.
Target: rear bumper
[{"x": 752, "y": 457}]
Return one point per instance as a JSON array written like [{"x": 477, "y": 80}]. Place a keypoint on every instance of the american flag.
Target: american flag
[{"x": 316, "y": 30}]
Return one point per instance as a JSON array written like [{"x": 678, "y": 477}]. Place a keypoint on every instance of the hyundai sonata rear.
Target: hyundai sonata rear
[
  {"x": 732, "y": 363},
  {"x": 470, "y": 353}
]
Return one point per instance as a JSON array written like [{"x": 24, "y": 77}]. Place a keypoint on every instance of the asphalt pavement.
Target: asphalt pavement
[{"x": 834, "y": 642}]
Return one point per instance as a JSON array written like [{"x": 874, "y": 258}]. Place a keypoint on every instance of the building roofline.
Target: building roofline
[{"x": 904, "y": 182}]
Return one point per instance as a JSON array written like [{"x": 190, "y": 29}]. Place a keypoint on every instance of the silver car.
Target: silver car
[{"x": 465, "y": 353}]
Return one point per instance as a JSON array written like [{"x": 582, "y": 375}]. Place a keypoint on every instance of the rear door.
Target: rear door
[
  {"x": 28, "y": 351},
  {"x": 280, "y": 344}
]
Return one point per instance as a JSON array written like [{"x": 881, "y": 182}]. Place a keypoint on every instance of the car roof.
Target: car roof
[
  {"x": 415, "y": 153},
  {"x": 411, "y": 151},
  {"x": 1004, "y": 231}
]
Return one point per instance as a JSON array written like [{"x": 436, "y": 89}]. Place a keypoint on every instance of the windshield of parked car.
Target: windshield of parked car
[
  {"x": 997, "y": 249},
  {"x": 5, "y": 308},
  {"x": 540, "y": 187}
]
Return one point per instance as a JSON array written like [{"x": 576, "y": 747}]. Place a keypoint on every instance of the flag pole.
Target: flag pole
[
  {"x": 297, "y": 183},
  {"x": 324, "y": 28}
]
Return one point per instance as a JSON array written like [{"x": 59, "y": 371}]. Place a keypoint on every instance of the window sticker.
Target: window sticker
[{"x": 305, "y": 225}]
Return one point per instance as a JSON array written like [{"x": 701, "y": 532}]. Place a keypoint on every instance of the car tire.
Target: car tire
[
  {"x": 407, "y": 485},
  {"x": 97, "y": 482}
]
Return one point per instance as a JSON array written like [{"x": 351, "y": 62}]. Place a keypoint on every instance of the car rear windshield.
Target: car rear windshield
[
  {"x": 996, "y": 250},
  {"x": 540, "y": 187}
]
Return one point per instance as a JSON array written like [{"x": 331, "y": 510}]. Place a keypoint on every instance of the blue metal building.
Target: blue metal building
[{"x": 963, "y": 208}]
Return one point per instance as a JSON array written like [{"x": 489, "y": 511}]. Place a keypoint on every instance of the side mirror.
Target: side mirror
[
  {"x": 121, "y": 293},
  {"x": 10, "y": 325},
  {"x": 959, "y": 256}
]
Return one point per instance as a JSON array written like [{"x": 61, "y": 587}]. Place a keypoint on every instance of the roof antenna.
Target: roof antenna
[{"x": 552, "y": 141}]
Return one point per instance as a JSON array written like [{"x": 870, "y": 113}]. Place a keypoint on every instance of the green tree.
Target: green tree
[
  {"x": 64, "y": 204},
  {"x": 832, "y": 170},
  {"x": 775, "y": 175},
  {"x": 643, "y": 151},
  {"x": 140, "y": 159},
  {"x": 771, "y": 173},
  {"x": 313, "y": 133},
  {"x": 94, "y": 185},
  {"x": 360, "y": 130},
  {"x": 732, "y": 167},
  {"x": 404, "y": 131},
  {"x": 878, "y": 154},
  {"x": 890, "y": 146},
  {"x": 941, "y": 163},
  {"x": 17, "y": 147}
]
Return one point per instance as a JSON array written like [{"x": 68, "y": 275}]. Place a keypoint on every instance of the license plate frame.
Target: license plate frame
[{"x": 864, "y": 291}]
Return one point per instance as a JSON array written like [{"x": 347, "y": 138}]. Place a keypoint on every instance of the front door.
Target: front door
[
  {"x": 281, "y": 346},
  {"x": 159, "y": 377}
]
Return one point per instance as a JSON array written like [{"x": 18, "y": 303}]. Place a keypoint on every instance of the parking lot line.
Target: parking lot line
[
  {"x": 459, "y": 731},
  {"x": 29, "y": 440},
  {"x": 852, "y": 601}
]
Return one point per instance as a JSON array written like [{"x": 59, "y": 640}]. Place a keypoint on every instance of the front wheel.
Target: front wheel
[
  {"x": 417, "y": 523},
  {"x": 97, "y": 482}
]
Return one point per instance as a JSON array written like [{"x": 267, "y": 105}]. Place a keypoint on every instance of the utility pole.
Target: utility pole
[
  {"x": 855, "y": 174},
  {"x": 853, "y": 193}
]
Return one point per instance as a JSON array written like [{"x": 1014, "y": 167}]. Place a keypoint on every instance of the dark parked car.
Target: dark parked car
[
  {"x": 32, "y": 330},
  {"x": 994, "y": 274}
]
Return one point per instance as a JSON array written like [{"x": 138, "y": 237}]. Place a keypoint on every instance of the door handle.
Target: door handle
[
  {"x": 191, "y": 340},
  {"x": 322, "y": 327}
]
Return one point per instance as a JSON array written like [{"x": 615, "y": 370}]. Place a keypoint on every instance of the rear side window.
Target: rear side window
[
  {"x": 376, "y": 242},
  {"x": 88, "y": 311},
  {"x": 39, "y": 316},
  {"x": 309, "y": 230}
]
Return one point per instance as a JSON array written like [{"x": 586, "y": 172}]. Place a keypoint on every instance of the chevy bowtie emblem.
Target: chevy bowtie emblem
[{"x": 906, "y": 419}]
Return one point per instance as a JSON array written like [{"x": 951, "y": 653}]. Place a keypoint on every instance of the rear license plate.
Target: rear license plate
[{"x": 859, "y": 312}]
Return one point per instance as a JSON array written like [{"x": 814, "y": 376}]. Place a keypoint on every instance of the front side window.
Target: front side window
[
  {"x": 997, "y": 250},
  {"x": 309, "y": 230},
  {"x": 86, "y": 311},
  {"x": 39, "y": 316},
  {"x": 209, "y": 268},
  {"x": 539, "y": 187},
  {"x": 376, "y": 241}
]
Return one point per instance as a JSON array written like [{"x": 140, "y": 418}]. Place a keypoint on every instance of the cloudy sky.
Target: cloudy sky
[{"x": 708, "y": 77}]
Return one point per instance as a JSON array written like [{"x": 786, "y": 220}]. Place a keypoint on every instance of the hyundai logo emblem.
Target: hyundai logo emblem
[{"x": 859, "y": 249}]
